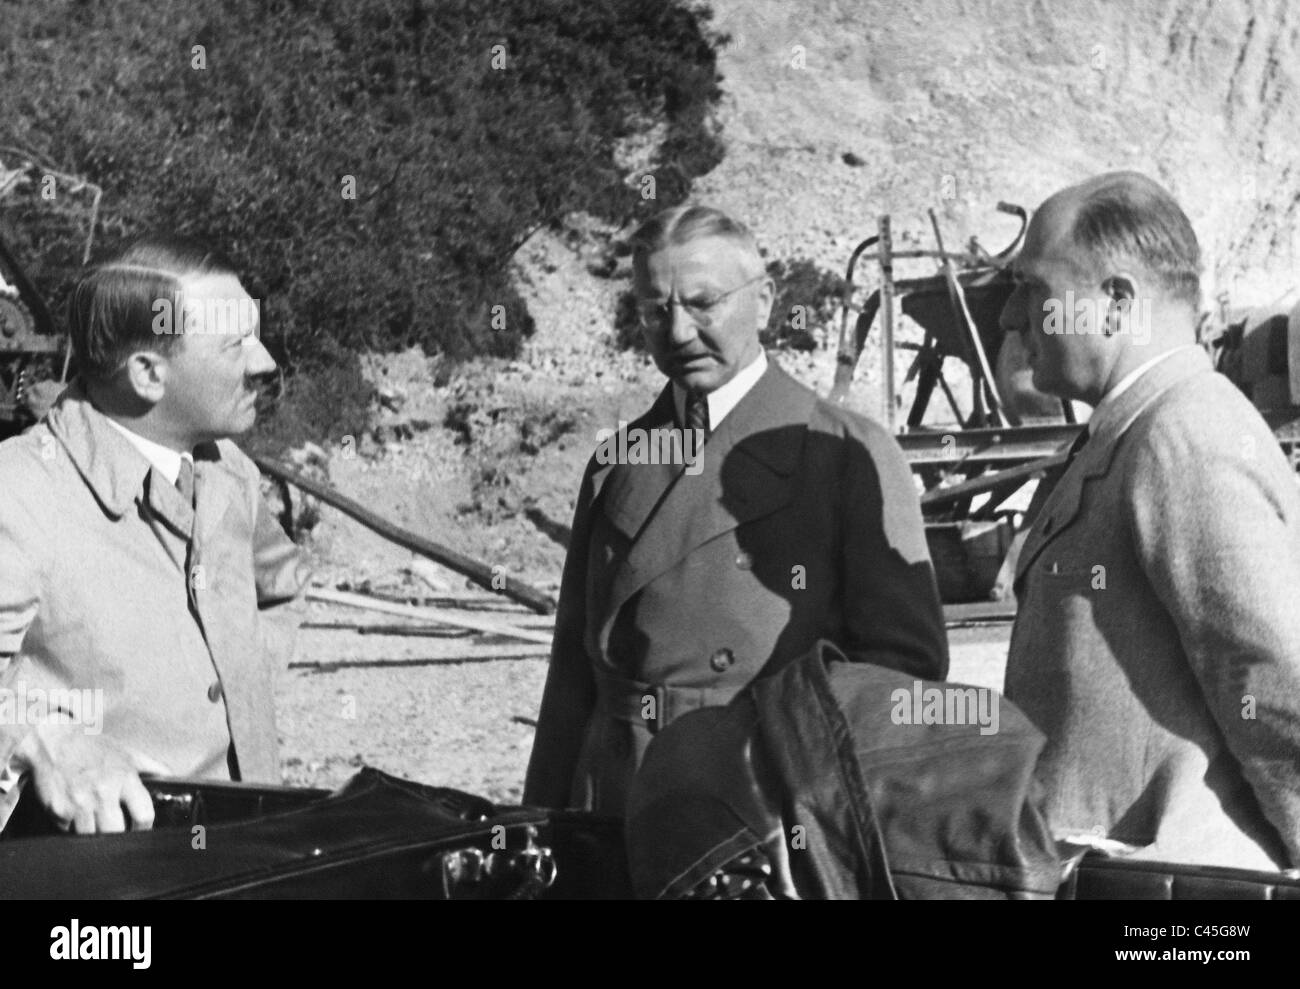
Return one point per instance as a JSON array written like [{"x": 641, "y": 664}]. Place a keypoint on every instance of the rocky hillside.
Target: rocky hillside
[
  {"x": 834, "y": 113},
  {"x": 957, "y": 104}
]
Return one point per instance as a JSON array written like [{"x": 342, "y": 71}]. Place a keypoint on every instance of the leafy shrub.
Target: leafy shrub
[
  {"x": 465, "y": 126},
  {"x": 332, "y": 400},
  {"x": 627, "y": 323},
  {"x": 807, "y": 301}
]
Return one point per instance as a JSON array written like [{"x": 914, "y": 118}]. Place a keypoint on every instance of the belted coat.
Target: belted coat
[{"x": 680, "y": 588}]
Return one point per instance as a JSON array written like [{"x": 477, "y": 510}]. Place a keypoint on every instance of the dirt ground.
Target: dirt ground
[
  {"x": 427, "y": 710},
  {"x": 397, "y": 704}
]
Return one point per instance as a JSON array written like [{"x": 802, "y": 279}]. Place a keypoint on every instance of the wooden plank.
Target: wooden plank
[
  {"x": 431, "y": 631},
  {"x": 460, "y": 619},
  {"x": 1001, "y": 446},
  {"x": 940, "y": 497},
  {"x": 886, "y": 254},
  {"x": 493, "y": 656},
  {"x": 973, "y": 613},
  {"x": 483, "y": 575}
]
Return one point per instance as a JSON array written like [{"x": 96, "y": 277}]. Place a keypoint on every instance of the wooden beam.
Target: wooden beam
[
  {"x": 460, "y": 619},
  {"x": 999, "y": 447},
  {"x": 942, "y": 497},
  {"x": 887, "y": 321},
  {"x": 480, "y": 573},
  {"x": 371, "y": 628},
  {"x": 493, "y": 656}
]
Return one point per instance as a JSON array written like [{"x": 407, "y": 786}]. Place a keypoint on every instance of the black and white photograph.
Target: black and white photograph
[{"x": 651, "y": 450}]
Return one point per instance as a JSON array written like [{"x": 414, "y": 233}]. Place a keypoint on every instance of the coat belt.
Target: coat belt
[{"x": 628, "y": 700}]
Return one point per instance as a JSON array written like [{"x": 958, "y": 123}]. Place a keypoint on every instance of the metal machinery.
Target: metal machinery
[
  {"x": 33, "y": 355},
  {"x": 1003, "y": 441}
]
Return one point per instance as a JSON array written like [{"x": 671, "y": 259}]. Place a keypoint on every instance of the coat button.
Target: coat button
[
  {"x": 214, "y": 692},
  {"x": 744, "y": 561},
  {"x": 722, "y": 660}
]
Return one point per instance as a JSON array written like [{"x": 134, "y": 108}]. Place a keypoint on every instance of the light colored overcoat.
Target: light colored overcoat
[
  {"x": 94, "y": 566},
  {"x": 1157, "y": 641}
]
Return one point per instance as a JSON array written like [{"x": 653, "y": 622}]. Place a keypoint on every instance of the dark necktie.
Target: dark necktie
[
  {"x": 697, "y": 412},
  {"x": 185, "y": 481},
  {"x": 193, "y": 572},
  {"x": 1078, "y": 444}
]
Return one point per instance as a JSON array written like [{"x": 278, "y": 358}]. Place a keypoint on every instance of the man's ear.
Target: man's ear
[
  {"x": 146, "y": 374},
  {"x": 1122, "y": 288}
]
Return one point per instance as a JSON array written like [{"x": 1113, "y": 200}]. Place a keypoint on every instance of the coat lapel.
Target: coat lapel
[
  {"x": 1062, "y": 506},
  {"x": 167, "y": 504},
  {"x": 633, "y": 491},
  {"x": 213, "y": 494},
  {"x": 749, "y": 471},
  {"x": 114, "y": 470}
]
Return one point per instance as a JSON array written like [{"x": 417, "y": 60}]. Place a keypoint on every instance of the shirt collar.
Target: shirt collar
[
  {"x": 1108, "y": 401},
  {"x": 113, "y": 467},
  {"x": 725, "y": 398},
  {"x": 165, "y": 460}
]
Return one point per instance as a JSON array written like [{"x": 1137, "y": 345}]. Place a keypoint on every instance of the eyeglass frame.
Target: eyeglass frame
[{"x": 701, "y": 316}]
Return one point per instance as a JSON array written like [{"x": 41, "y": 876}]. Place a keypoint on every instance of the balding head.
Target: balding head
[
  {"x": 1107, "y": 279},
  {"x": 1127, "y": 220}
]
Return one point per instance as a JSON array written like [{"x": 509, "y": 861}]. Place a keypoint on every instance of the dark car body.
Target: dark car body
[{"x": 379, "y": 837}]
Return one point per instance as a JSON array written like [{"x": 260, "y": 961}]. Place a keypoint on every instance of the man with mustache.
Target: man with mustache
[
  {"x": 681, "y": 586},
  {"x": 137, "y": 553},
  {"x": 1157, "y": 641}
]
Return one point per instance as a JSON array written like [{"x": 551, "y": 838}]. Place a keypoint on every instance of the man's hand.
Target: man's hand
[{"x": 84, "y": 781}]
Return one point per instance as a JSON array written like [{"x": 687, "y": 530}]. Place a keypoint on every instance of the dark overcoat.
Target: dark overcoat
[{"x": 680, "y": 588}]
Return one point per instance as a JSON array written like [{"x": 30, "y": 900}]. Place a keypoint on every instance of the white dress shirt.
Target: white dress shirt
[
  {"x": 725, "y": 398},
  {"x": 1124, "y": 384},
  {"x": 164, "y": 459}
]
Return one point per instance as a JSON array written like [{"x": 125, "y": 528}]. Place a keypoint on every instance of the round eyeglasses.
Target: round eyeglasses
[{"x": 655, "y": 312}]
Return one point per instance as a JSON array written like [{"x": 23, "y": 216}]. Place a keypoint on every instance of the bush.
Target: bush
[
  {"x": 460, "y": 128},
  {"x": 806, "y": 305},
  {"x": 334, "y": 400}
]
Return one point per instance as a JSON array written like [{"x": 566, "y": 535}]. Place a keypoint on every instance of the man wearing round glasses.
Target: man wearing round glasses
[{"x": 796, "y": 521}]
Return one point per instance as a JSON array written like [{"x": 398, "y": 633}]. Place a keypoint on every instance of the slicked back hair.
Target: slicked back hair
[
  {"x": 682, "y": 224},
  {"x": 1127, "y": 215},
  {"x": 112, "y": 309}
]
